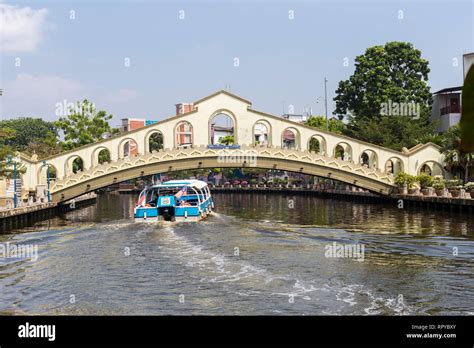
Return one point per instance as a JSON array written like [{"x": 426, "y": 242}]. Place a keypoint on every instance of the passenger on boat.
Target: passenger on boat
[{"x": 184, "y": 204}]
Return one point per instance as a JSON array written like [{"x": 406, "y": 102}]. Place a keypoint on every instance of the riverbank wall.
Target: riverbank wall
[
  {"x": 16, "y": 218},
  {"x": 396, "y": 200},
  {"x": 465, "y": 206}
]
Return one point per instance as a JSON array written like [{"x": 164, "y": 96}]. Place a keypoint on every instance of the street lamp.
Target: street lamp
[
  {"x": 47, "y": 179},
  {"x": 10, "y": 161}
]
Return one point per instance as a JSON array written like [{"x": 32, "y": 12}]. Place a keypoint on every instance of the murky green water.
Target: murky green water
[{"x": 258, "y": 254}]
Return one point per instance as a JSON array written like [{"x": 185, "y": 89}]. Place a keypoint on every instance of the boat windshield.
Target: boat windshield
[{"x": 151, "y": 197}]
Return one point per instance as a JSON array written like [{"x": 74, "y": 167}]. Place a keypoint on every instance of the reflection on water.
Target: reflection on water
[{"x": 258, "y": 254}]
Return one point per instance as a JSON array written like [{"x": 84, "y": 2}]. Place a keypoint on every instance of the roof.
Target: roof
[
  {"x": 223, "y": 92},
  {"x": 198, "y": 184},
  {"x": 449, "y": 90}
]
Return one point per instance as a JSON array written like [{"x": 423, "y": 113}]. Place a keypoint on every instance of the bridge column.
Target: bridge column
[
  {"x": 114, "y": 155},
  {"x": 59, "y": 171},
  {"x": 87, "y": 160}
]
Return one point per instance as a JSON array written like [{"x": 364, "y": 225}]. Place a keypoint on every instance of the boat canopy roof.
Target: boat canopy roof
[{"x": 198, "y": 184}]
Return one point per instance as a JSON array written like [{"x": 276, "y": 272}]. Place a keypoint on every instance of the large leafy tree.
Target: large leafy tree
[
  {"x": 84, "y": 125},
  {"x": 334, "y": 125},
  {"x": 387, "y": 75},
  {"x": 6, "y": 170},
  {"x": 5, "y": 150},
  {"x": 32, "y": 135},
  {"x": 467, "y": 117}
]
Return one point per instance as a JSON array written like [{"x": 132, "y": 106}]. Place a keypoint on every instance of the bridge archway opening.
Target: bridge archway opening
[
  {"x": 221, "y": 129},
  {"x": 103, "y": 156},
  {"x": 431, "y": 168},
  {"x": 368, "y": 158},
  {"x": 261, "y": 133},
  {"x": 317, "y": 144},
  {"x": 73, "y": 164},
  {"x": 290, "y": 139},
  {"x": 155, "y": 141},
  {"x": 43, "y": 174},
  {"x": 128, "y": 148},
  {"x": 183, "y": 134},
  {"x": 343, "y": 151},
  {"x": 394, "y": 166},
  {"x": 100, "y": 155}
]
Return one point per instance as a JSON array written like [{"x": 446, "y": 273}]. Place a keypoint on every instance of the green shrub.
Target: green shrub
[
  {"x": 403, "y": 179},
  {"x": 439, "y": 183},
  {"x": 453, "y": 183},
  {"x": 425, "y": 180}
]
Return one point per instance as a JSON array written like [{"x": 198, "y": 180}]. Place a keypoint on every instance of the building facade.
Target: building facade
[{"x": 447, "y": 103}]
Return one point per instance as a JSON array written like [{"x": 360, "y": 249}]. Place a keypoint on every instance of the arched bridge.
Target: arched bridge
[
  {"x": 202, "y": 157},
  {"x": 187, "y": 141}
]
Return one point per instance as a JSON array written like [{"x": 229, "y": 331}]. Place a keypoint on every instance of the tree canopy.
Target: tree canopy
[
  {"x": 467, "y": 116},
  {"x": 6, "y": 134},
  {"x": 32, "y": 135},
  {"x": 388, "y": 91},
  {"x": 84, "y": 125},
  {"x": 227, "y": 140},
  {"x": 334, "y": 125}
]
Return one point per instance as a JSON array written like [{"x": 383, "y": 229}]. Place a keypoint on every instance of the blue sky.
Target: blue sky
[{"x": 282, "y": 61}]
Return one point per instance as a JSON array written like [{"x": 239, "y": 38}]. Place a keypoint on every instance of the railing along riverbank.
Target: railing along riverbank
[{"x": 23, "y": 216}]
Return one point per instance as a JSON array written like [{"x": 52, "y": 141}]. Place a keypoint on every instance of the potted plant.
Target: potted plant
[
  {"x": 244, "y": 183},
  {"x": 455, "y": 191},
  {"x": 439, "y": 185},
  {"x": 405, "y": 181},
  {"x": 469, "y": 187},
  {"x": 425, "y": 181},
  {"x": 454, "y": 186},
  {"x": 254, "y": 182}
]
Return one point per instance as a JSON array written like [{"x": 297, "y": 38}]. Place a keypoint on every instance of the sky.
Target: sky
[{"x": 137, "y": 59}]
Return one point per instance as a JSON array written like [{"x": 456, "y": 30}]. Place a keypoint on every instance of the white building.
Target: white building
[
  {"x": 296, "y": 117},
  {"x": 446, "y": 108}
]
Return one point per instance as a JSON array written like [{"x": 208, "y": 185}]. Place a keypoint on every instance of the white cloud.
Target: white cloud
[
  {"x": 38, "y": 96},
  {"x": 21, "y": 28},
  {"x": 121, "y": 96}
]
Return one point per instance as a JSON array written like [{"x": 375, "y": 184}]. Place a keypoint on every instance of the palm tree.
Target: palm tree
[{"x": 457, "y": 161}]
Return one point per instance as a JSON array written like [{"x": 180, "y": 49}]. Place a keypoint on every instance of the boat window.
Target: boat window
[{"x": 151, "y": 196}]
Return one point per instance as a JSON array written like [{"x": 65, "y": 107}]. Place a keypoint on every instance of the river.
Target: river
[{"x": 262, "y": 254}]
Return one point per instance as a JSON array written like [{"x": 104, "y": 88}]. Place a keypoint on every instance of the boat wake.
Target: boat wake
[{"x": 249, "y": 281}]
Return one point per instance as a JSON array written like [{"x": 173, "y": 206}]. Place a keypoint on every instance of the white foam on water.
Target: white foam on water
[{"x": 218, "y": 268}]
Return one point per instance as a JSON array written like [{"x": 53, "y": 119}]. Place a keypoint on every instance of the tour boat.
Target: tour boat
[{"x": 175, "y": 200}]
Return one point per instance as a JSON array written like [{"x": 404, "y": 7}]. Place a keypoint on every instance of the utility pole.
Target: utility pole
[{"x": 326, "y": 102}]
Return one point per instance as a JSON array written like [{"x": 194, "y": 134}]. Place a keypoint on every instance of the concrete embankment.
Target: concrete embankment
[
  {"x": 16, "y": 218},
  {"x": 397, "y": 201},
  {"x": 408, "y": 201}
]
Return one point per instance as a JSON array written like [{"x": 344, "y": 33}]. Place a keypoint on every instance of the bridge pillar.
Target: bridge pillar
[{"x": 114, "y": 155}]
